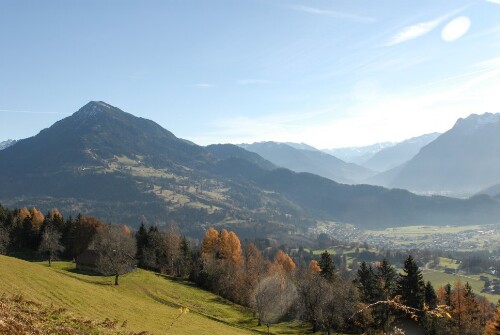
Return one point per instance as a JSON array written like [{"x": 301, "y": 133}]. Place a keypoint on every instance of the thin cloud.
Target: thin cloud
[
  {"x": 494, "y": 1},
  {"x": 419, "y": 29},
  {"x": 334, "y": 14},
  {"x": 414, "y": 31},
  {"x": 30, "y": 112},
  {"x": 255, "y": 82},
  {"x": 204, "y": 85},
  {"x": 396, "y": 116}
]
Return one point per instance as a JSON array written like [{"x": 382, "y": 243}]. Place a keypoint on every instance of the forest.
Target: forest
[{"x": 275, "y": 283}]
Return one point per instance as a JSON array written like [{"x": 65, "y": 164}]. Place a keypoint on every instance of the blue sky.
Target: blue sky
[{"x": 327, "y": 73}]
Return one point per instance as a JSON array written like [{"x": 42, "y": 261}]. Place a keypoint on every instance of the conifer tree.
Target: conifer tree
[
  {"x": 367, "y": 283},
  {"x": 430, "y": 295},
  {"x": 327, "y": 266},
  {"x": 386, "y": 275},
  {"x": 411, "y": 285}
]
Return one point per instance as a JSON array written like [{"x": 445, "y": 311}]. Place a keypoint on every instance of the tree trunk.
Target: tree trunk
[
  {"x": 116, "y": 279},
  {"x": 50, "y": 264}
]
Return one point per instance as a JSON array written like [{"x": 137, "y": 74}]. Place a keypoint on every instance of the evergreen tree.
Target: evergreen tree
[
  {"x": 367, "y": 283},
  {"x": 386, "y": 275},
  {"x": 447, "y": 294},
  {"x": 141, "y": 238},
  {"x": 411, "y": 285},
  {"x": 327, "y": 266},
  {"x": 430, "y": 295}
]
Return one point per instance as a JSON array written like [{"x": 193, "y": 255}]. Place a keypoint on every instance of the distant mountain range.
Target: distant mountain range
[
  {"x": 358, "y": 155},
  {"x": 462, "y": 161},
  {"x": 393, "y": 156},
  {"x": 492, "y": 191},
  {"x": 304, "y": 158},
  {"x": 6, "y": 144},
  {"x": 105, "y": 162}
]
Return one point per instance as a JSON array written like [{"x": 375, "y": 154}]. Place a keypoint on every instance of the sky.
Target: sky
[{"x": 334, "y": 73}]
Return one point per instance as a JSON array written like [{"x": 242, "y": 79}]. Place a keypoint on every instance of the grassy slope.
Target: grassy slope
[{"x": 145, "y": 300}]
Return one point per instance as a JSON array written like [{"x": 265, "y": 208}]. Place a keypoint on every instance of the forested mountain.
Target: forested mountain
[
  {"x": 298, "y": 159},
  {"x": 105, "y": 162},
  {"x": 464, "y": 160},
  {"x": 391, "y": 157}
]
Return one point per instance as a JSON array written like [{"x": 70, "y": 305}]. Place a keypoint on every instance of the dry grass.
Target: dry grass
[{"x": 21, "y": 316}]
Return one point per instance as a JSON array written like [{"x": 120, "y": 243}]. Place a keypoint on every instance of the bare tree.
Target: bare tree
[
  {"x": 116, "y": 248},
  {"x": 172, "y": 243},
  {"x": 51, "y": 243},
  {"x": 264, "y": 299}
]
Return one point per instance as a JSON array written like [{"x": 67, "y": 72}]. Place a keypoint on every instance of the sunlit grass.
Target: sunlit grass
[{"x": 145, "y": 300}]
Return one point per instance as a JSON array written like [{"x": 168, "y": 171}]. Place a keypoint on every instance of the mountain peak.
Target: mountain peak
[
  {"x": 476, "y": 120},
  {"x": 93, "y": 108}
]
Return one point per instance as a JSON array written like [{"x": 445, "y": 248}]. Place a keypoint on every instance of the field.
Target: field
[
  {"x": 145, "y": 300},
  {"x": 440, "y": 278},
  {"x": 459, "y": 238}
]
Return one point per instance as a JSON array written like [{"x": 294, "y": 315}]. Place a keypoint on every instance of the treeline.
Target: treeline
[
  {"x": 318, "y": 289},
  {"x": 28, "y": 233}
]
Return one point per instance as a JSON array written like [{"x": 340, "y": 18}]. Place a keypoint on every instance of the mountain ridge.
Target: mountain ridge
[{"x": 102, "y": 161}]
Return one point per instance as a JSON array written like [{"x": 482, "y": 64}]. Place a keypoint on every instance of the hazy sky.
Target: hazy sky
[{"x": 328, "y": 73}]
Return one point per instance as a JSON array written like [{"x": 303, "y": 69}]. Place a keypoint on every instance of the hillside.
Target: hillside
[
  {"x": 21, "y": 316},
  {"x": 493, "y": 191},
  {"x": 391, "y": 157},
  {"x": 463, "y": 160},
  {"x": 144, "y": 300},
  {"x": 300, "y": 158},
  {"x": 104, "y": 162}
]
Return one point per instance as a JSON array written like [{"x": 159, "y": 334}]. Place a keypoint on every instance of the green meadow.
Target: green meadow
[{"x": 145, "y": 300}]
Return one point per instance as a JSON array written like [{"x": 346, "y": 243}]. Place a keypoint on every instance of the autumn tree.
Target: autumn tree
[
  {"x": 116, "y": 248},
  {"x": 222, "y": 262},
  {"x": 37, "y": 217},
  {"x": 314, "y": 267},
  {"x": 284, "y": 268},
  {"x": 210, "y": 244},
  {"x": 82, "y": 232},
  {"x": 230, "y": 247},
  {"x": 255, "y": 269},
  {"x": 493, "y": 327},
  {"x": 51, "y": 243}
]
